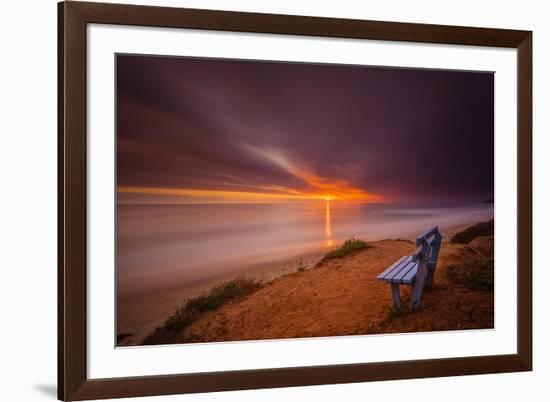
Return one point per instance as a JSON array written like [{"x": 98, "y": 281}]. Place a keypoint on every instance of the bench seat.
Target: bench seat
[{"x": 402, "y": 271}]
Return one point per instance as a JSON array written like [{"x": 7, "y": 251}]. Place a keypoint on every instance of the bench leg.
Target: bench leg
[
  {"x": 416, "y": 292},
  {"x": 432, "y": 262},
  {"x": 395, "y": 295},
  {"x": 430, "y": 278}
]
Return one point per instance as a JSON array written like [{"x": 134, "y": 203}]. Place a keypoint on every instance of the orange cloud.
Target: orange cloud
[{"x": 323, "y": 187}]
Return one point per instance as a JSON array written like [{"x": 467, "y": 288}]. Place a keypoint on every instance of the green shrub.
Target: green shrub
[
  {"x": 346, "y": 248},
  {"x": 218, "y": 296},
  {"x": 478, "y": 275},
  {"x": 470, "y": 233}
]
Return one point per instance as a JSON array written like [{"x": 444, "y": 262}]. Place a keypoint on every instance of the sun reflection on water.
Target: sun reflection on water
[{"x": 328, "y": 226}]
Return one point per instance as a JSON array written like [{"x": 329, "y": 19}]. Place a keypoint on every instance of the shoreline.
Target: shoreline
[{"x": 139, "y": 315}]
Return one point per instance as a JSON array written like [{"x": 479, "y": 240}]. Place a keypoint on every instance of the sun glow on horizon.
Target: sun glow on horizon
[{"x": 228, "y": 196}]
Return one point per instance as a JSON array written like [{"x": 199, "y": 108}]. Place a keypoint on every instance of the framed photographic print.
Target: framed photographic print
[{"x": 252, "y": 200}]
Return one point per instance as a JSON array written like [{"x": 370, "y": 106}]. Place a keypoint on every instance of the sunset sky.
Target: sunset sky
[{"x": 204, "y": 130}]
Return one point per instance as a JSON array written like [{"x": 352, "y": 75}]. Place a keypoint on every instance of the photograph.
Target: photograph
[{"x": 271, "y": 200}]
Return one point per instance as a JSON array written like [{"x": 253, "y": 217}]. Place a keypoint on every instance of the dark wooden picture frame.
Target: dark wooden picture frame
[{"x": 73, "y": 382}]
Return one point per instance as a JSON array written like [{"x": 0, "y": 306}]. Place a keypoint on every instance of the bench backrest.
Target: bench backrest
[{"x": 428, "y": 243}]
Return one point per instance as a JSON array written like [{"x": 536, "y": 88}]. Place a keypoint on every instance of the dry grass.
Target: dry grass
[{"x": 196, "y": 307}]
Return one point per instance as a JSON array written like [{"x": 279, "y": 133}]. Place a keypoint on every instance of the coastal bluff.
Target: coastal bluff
[{"x": 340, "y": 296}]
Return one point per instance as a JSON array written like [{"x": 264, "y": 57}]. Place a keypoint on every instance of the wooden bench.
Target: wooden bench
[{"x": 416, "y": 270}]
